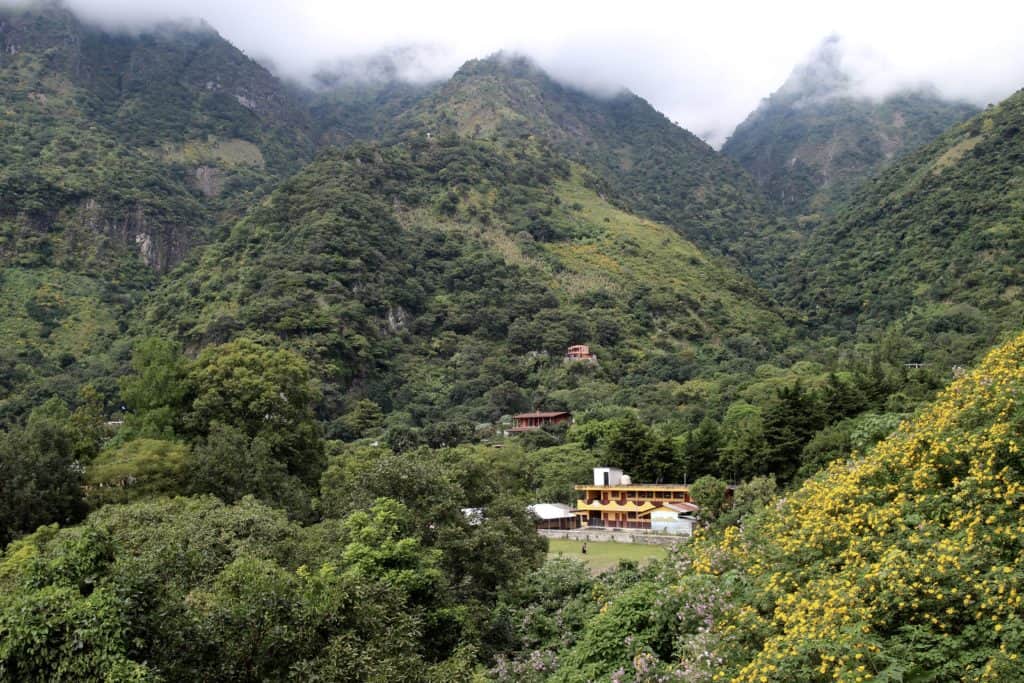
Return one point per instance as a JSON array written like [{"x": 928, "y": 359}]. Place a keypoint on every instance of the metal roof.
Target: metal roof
[
  {"x": 551, "y": 510},
  {"x": 538, "y": 414},
  {"x": 681, "y": 507}
]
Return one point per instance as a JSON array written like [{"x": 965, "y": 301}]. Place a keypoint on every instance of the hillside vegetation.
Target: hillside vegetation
[
  {"x": 121, "y": 153},
  {"x": 903, "y": 563},
  {"x": 932, "y": 247},
  {"x": 645, "y": 162},
  {"x": 445, "y": 278},
  {"x": 261, "y": 347},
  {"x": 146, "y": 139}
]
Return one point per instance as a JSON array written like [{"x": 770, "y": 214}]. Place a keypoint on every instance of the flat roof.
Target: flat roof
[
  {"x": 551, "y": 510},
  {"x": 681, "y": 507}
]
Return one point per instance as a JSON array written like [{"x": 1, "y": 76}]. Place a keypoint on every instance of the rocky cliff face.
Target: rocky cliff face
[
  {"x": 209, "y": 180},
  {"x": 160, "y": 246},
  {"x": 135, "y": 137},
  {"x": 86, "y": 234}
]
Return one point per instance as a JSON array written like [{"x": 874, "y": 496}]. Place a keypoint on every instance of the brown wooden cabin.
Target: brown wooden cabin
[{"x": 526, "y": 422}]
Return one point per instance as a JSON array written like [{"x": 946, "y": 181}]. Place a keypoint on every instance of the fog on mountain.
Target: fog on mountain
[{"x": 379, "y": 375}]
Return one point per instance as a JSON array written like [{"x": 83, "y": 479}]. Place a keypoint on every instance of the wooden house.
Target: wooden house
[{"x": 526, "y": 422}]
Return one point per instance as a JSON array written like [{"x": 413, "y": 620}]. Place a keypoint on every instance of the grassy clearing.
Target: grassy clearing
[
  {"x": 617, "y": 252},
  {"x": 54, "y": 313},
  {"x": 232, "y": 151},
  {"x": 955, "y": 153},
  {"x": 602, "y": 556}
]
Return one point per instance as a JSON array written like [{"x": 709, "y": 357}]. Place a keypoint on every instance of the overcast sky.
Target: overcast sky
[{"x": 706, "y": 65}]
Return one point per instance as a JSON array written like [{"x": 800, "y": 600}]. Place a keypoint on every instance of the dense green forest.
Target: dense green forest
[
  {"x": 120, "y": 154},
  {"x": 260, "y": 344},
  {"x": 929, "y": 250},
  {"x": 444, "y": 279},
  {"x": 650, "y": 165}
]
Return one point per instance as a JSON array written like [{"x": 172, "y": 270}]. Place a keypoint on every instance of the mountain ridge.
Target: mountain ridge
[
  {"x": 932, "y": 245},
  {"x": 814, "y": 140},
  {"x": 647, "y": 163}
]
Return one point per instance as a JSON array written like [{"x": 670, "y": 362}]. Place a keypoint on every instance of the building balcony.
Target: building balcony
[{"x": 614, "y": 506}]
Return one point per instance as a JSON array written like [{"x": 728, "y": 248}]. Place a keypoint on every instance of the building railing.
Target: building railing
[{"x": 619, "y": 524}]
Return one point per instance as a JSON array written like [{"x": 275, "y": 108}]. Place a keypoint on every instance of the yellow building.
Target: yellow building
[{"x": 613, "y": 501}]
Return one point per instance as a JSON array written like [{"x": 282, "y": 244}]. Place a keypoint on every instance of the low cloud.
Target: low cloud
[{"x": 705, "y": 66}]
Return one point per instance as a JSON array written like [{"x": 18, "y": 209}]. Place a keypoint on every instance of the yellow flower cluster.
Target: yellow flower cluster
[{"x": 924, "y": 533}]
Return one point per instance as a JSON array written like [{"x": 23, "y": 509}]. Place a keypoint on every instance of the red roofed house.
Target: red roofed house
[
  {"x": 525, "y": 422},
  {"x": 580, "y": 352}
]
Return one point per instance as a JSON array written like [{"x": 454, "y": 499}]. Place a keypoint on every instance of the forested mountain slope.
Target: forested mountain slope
[
  {"x": 934, "y": 244},
  {"x": 445, "y": 277},
  {"x": 638, "y": 157},
  {"x": 812, "y": 142},
  {"x": 259, "y": 347},
  {"x": 361, "y": 101},
  {"x": 441, "y": 276},
  {"x": 125, "y": 151},
  {"x": 150, "y": 134},
  {"x": 119, "y": 154}
]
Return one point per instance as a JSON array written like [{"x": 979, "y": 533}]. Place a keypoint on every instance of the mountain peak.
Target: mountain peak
[
  {"x": 650, "y": 164},
  {"x": 820, "y": 134},
  {"x": 502, "y": 62},
  {"x": 820, "y": 76}
]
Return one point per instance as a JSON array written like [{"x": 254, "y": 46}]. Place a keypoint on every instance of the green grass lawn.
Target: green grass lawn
[{"x": 602, "y": 556}]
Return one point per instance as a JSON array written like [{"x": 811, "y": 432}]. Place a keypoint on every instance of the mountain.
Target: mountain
[
  {"x": 316, "y": 309},
  {"x": 133, "y": 159},
  {"x": 814, "y": 140},
  {"x": 120, "y": 154},
  {"x": 637, "y": 156},
  {"x": 360, "y": 100},
  {"x": 934, "y": 244},
  {"x": 346, "y": 112},
  {"x": 444, "y": 277},
  {"x": 155, "y": 132}
]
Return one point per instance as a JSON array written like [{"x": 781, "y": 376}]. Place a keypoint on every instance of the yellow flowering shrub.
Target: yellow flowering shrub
[{"x": 901, "y": 564}]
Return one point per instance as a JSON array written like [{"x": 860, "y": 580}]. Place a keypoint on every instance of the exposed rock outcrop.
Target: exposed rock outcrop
[{"x": 209, "y": 180}]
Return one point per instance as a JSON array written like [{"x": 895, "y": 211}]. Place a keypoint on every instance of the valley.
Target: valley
[{"x": 285, "y": 364}]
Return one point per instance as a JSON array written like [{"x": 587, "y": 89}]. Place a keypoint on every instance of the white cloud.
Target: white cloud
[{"x": 704, "y": 65}]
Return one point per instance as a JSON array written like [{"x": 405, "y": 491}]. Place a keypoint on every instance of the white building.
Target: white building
[{"x": 674, "y": 518}]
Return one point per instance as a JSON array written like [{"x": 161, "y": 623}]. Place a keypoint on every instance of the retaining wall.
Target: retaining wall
[{"x": 618, "y": 536}]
